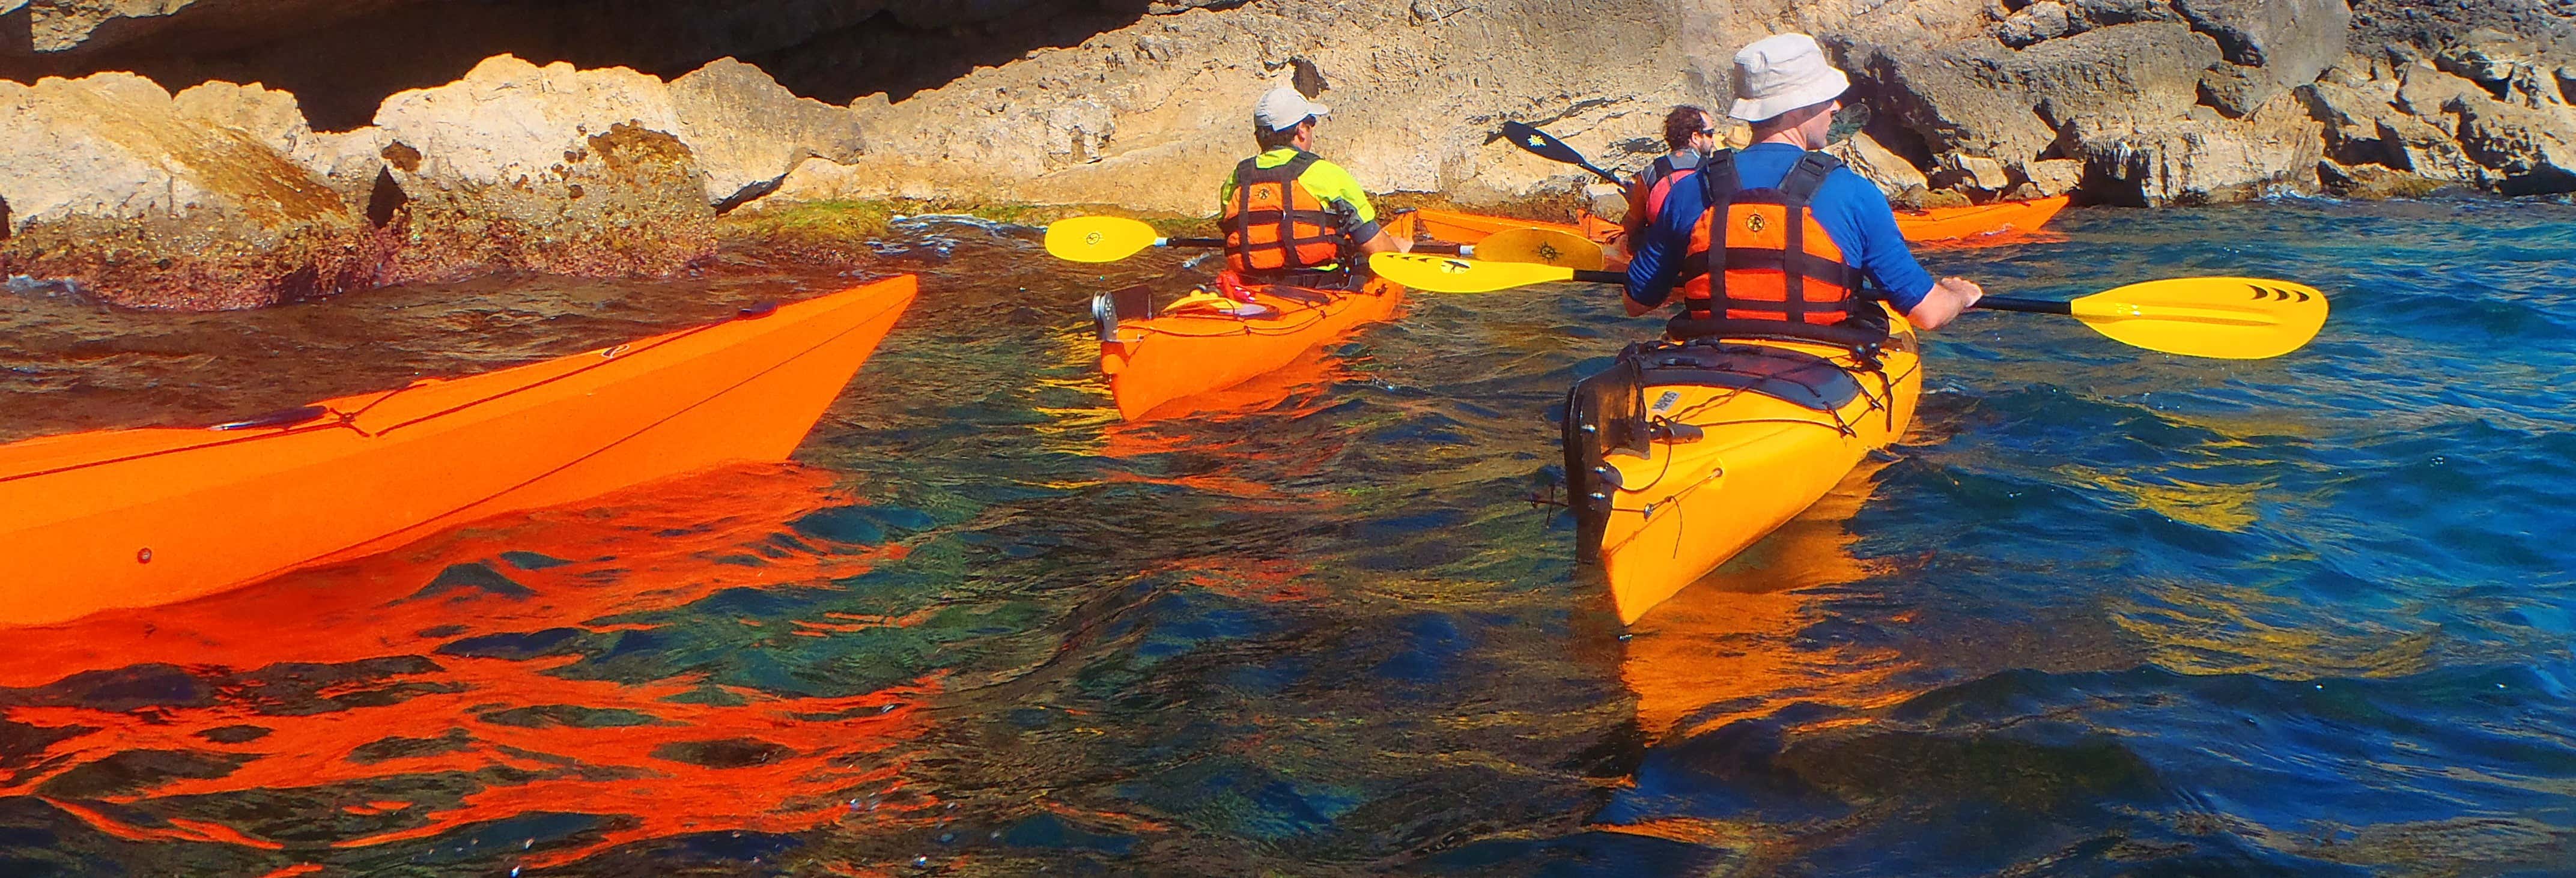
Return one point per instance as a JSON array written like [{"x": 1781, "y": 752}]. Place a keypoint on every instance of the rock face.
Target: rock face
[
  {"x": 112, "y": 184},
  {"x": 748, "y": 131},
  {"x": 227, "y": 195},
  {"x": 1153, "y": 115}
]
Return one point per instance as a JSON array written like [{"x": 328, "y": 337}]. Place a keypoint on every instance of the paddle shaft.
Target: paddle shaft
[
  {"x": 1606, "y": 175},
  {"x": 1220, "y": 242},
  {"x": 1546, "y": 146},
  {"x": 1990, "y": 303},
  {"x": 2028, "y": 306}
]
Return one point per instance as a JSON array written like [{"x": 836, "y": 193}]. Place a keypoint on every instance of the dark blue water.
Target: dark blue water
[{"x": 2104, "y": 612}]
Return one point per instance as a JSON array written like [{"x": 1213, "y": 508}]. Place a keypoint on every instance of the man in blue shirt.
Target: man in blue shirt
[{"x": 1787, "y": 90}]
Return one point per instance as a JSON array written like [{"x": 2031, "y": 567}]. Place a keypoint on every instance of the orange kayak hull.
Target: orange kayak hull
[
  {"x": 1667, "y": 517},
  {"x": 1170, "y": 357},
  {"x": 1938, "y": 224},
  {"x": 136, "y": 518}
]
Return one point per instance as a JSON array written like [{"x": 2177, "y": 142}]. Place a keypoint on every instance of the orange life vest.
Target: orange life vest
[
  {"x": 1273, "y": 226},
  {"x": 1758, "y": 254}
]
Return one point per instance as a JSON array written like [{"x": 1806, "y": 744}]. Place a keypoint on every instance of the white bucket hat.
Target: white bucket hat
[
  {"x": 1282, "y": 108},
  {"x": 1780, "y": 73}
]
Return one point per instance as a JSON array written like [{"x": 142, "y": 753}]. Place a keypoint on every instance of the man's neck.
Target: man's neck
[{"x": 1796, "y": 137}]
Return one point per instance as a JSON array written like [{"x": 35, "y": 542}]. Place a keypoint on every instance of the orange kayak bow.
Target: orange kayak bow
[{"x": 133, "y": 518}]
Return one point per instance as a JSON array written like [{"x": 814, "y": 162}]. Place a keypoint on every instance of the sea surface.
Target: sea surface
[{"x": 2103, "y": 612}]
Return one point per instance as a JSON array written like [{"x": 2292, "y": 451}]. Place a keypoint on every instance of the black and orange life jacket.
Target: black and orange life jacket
[
  {"x": 1758, "y": 254},
  {"x": 1274, "y": 227}
]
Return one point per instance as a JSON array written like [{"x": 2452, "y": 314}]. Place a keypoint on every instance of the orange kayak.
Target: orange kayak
[
  {"x": 1153, "y": 356},
  {"x": 1682, "y": 455},
  {"x": 1938, "y": 224},
  {"x": 136, "y": 518}
]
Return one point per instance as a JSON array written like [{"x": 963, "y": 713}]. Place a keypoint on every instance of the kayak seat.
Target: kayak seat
[
  {"x": 1296, "y": 294},
  {"x": 1792, "y": 376}
]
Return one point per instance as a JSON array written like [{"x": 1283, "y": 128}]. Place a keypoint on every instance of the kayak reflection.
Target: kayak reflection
[
  {"x": 1729, "y": 647},
  {"x": 506, "y": 678}
]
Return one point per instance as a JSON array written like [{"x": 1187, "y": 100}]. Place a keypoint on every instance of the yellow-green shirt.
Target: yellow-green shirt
[{"x": 1325, "y": 180}]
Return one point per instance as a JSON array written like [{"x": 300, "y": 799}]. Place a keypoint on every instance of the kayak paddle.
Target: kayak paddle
[
  {"x": 1546, "y": 146},
  {"x": 1538, "y": 246},
  {"x": 1110, "y": 238},
  {"x": 2235, "y": 318}
]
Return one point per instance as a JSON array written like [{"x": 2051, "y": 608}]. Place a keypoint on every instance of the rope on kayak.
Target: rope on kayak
[{"x": 1245, "y": 327}]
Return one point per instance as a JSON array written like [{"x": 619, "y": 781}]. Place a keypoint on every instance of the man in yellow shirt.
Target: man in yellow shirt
[{"x": 1290, "y": 217}]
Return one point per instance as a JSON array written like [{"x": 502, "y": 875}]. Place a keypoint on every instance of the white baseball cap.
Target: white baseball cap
[
  {"x": 1282, "y": 108},
  {"x": 1780, "y": 73}
]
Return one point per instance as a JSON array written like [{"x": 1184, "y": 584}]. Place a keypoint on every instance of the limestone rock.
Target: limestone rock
[
  {"x": 2044, "y": 20},
  {"x": 2011, "y": 106},
  {"x": 2201, "y": 159},
  {"x": 2426, "y": 92},
  {"x": 1153, "y": 114},
  {"x": 2048, "y": 177},
  {"x": 110, "y": 184},
  {"x": 346, "y": 161},
  {"x": 1972, "y": 172},
  {"x": 2105, "y": 13},
  {"x": 2374, "y": 182},
  {"x": 549, "y": 169},
  {"x": 748, "y": 131},
  {"x": 2528, "y": 150},
  {"x": 2291, "y": 39},
  {"x": 2417, "y": 146},
  {"x": 1893, "y": 174}
]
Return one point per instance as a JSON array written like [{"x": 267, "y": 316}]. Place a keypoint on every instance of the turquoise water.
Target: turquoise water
[{"x": 2104, "y": 611}]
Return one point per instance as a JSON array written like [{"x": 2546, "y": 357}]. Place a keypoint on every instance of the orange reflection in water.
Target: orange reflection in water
[
  {"x": 1725, "y": 648},
  {"x": 1214, "y": 424},
  {"x": 328, "y": 693}
]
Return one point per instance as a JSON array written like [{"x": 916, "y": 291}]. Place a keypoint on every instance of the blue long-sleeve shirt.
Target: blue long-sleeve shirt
[{"x": 1850, "y": 208}]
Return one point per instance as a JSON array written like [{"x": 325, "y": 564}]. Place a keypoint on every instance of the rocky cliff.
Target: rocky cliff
[{"x": 439, "y": 153}]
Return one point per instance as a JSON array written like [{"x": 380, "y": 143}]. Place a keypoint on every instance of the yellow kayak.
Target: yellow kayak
[{"x": 1685, "y": 453}]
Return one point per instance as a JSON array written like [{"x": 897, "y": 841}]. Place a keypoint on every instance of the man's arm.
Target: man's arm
[
  {"x": 1344, "y": 192},
  {"x": 1885, "y": 255},
  {"x": 1658, "y": 260},
  {"x": 1944, "y": 302}
]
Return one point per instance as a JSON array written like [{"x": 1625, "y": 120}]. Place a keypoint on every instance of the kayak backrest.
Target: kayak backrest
[{"x": 1792, "y": 376}]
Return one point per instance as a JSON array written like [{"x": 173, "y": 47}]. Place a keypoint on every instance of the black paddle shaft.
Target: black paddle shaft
[
  {"x": 1220, "y": 242},
  {"x": 2030, "y": 306},
  {"x": 1546, "y": 146}
]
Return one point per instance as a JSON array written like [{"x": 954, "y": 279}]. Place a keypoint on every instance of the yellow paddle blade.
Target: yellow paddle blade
[
  {"x": 1542, "y": 246},
  {"x": 2236, "y": 318},
  {"x": 1098, "y": 238},
  {"x": 1450, "y": 274}
]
